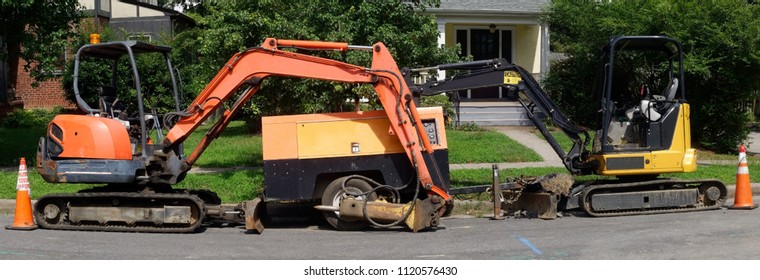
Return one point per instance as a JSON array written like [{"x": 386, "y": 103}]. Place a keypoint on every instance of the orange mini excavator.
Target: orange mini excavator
[{"x": 382, "y": 168}]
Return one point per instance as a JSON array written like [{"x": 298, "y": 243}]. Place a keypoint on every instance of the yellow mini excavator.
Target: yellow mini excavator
[{"x": 640, "y": 134}]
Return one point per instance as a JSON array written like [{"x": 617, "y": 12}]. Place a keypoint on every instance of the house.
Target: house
[
  {"x": 140, "y": 19},
  {"x": 486, "y": 29}
]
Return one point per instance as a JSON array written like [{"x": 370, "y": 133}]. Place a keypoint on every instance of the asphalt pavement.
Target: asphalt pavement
[{"x": 715, "y": 234}]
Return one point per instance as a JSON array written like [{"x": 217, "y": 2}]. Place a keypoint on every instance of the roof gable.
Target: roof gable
[{"x": 501, "y": 6}]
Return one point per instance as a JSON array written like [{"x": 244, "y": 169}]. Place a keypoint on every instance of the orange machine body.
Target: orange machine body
[{"x": 90, "y": 137}]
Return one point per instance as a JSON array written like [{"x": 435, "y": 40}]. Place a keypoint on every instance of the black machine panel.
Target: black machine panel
[
  {"x": 295, "y": 179},
  {"x": 625, "y": 163}
]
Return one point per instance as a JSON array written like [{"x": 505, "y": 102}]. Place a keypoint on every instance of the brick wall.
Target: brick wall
[
  {"x": 50, "y": 93},
  {"x": 46, "y": 95}
]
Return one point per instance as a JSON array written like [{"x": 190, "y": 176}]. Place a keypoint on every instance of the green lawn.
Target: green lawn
[
  {"x": 486, "y": 147},
  {"x": 235, "y": 147}
]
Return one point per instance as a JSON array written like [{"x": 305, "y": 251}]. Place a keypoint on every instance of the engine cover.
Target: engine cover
[{"x": 87, "y": 137}]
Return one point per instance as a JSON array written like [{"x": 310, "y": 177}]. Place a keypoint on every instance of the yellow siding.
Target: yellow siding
[
  {"x": 527, "y": 47},
  {"x": 527, "y": 43},
  {"x": 124, "y": 10},
  {"x": 450, "y": 35}
]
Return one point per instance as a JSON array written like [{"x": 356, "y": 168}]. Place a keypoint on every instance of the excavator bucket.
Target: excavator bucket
[
  {"x": 254, "y": 211},
  {"x": 540, "y": 205}
]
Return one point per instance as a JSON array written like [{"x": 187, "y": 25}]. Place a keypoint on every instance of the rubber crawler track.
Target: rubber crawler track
[
  {"x": 609, "y": 187},
  {"x": 104, "y": 199}
]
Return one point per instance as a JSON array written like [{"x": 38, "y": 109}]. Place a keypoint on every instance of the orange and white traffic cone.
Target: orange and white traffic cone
[
  {"x": 23, "y": 219},
  {"x": 743, "y": 195}
]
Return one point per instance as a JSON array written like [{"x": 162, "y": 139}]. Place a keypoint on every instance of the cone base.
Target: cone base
[
  {"x": 32, "y": 227},
  {"x": 745, "y": 207}
]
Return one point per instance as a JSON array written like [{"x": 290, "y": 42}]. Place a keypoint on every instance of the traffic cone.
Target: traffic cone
[
  {"x": 743, "y": 195},
  {"x": 23, "y": 219}
]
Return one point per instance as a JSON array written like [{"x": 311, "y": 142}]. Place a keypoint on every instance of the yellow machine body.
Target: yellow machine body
[{"x": 680, "y": 157}]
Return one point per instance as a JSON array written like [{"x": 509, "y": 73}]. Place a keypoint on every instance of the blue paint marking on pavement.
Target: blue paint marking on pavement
[{"x": 527, "y": 243}]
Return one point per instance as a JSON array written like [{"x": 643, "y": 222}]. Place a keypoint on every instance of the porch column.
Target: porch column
[
  {"x": 545, "y": 50},
  {"x": 441, "y": 42}
]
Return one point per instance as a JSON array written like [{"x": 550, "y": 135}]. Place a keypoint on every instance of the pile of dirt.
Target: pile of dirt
[{"x": 556, "y": 183}]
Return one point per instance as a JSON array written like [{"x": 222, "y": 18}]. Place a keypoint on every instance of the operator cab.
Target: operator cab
[
  {"x": 120, "y": 94},
  {"x": 641, "y": 91},
  {"x": 113, "y": 142}
]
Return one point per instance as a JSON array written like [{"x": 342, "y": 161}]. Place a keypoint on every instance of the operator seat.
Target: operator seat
[
  {"x": 107, "y": 101},
  {"x": 672, "y": 88},
  {"x": 651, "y": 109}
]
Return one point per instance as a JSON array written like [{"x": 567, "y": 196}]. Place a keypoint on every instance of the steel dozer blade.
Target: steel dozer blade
[
  {"x": 534, "y": 197},
  {"x": 422, "y": 214},
  {"x": 253, "y": 213},
  {"x": 540, "y": 204}
]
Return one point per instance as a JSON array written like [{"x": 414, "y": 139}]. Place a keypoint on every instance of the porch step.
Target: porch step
[{"x": 497, "y": 113}]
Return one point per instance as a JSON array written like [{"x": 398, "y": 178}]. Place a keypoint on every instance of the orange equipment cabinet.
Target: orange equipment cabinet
[{"x": 305, "y": 153}]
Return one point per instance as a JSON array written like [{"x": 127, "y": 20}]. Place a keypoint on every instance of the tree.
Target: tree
[
  {"x": 722, "y": 58},
  {"x": 226, "y": 27},
  {"x": 95, "y": 72},
  {"x": 38, "y": 32}
]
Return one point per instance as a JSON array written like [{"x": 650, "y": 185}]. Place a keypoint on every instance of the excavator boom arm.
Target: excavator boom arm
[
  {"x": 499, "y": 72},
  {"x": 250, "y": 67}
]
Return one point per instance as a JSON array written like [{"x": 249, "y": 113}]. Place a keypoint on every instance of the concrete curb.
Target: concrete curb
[{"x": 7, "y": 206}]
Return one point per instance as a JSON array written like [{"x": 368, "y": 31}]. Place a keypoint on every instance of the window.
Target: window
[
  {"x": 484, "y": 42},
  {"x": 143, "y": 37}
]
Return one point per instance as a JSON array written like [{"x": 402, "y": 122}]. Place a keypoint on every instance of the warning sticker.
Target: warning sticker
[{"x": 511, "y": 77}]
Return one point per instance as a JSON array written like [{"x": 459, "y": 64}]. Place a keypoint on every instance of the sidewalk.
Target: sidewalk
[{"x": 753, "y": 143}]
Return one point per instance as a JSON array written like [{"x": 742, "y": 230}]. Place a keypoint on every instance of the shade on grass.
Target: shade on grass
[{"x": 17, "y": 143}]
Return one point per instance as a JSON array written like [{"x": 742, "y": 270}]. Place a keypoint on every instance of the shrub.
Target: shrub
[
  {"x": 30, "y": 118},
  {"x": 440, "y": 101},
  {"x": 468, "y": 126}
]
